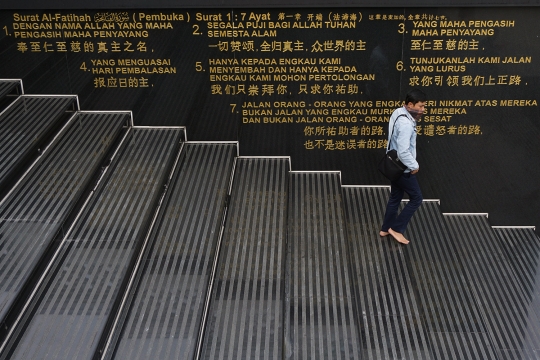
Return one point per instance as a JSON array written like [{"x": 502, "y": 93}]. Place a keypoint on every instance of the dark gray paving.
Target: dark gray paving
[
  {"x": 32, "y": 214},
  {"x": 166, "y": 312},
  {"x": 320, "y": 312},
  {"x": 245, "y": 320},
  {"x": 90, "y": 270}
]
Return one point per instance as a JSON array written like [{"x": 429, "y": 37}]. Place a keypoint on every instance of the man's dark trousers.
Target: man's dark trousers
[{"x": 407, "y": 183}]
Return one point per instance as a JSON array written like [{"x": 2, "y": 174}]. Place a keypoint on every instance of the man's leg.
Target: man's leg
[
  {"x": 409, "y": 184},
  {"x": 396, "y": 195}
]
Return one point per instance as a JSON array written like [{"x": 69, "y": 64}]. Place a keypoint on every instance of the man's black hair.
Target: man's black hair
[{"x": 414, "y": 96}]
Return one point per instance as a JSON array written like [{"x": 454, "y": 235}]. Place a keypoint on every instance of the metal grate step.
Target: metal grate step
[
  {"x": 507, "y": 309},
  {"x": 521, "y": 247},
  {"x": 36, "y": 209},
  {"x": 167, "y": 308},
  {"x": 392, "y": 324},
  {"x": 72, "y": 307},
  {"x": 24, "y": 126},
  {"x": 245, "y": 319},
  {"x": 448, "y": 306},
  {"x": 10, "y": 86},
  {"x": 320, "y": 317}
]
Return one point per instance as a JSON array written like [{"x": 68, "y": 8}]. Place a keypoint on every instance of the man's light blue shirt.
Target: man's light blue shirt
[{"x": 403, "y": 137}]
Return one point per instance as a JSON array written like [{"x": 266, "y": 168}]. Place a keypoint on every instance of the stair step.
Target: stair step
[
  {"x": 37, "y": 208},
  {"x": 71, "y": 310},
  {"x": 509, "y": 319},
  {"x": 25, "y": 126},
  {"x": 245, "y": 319},
  {"x": 10, "y": 87},
  {"x": 521, "y": 247},
  {"x": 389, "y": 307},
  {"x": 320, "y": 312},
  {"x": 167, "y": 307},
  {"x": 449, "y": 309}
]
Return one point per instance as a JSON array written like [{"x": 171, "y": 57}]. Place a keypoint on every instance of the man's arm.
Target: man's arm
[{"x": 404, "y": 132}]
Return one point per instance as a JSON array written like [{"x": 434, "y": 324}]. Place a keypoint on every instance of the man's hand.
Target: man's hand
[{"x": 415, "y": 171}]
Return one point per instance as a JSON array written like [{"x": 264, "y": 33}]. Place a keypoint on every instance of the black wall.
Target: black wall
[
  {"x": 183, "y": 4},
  {"x": 346, "y": 66}
]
